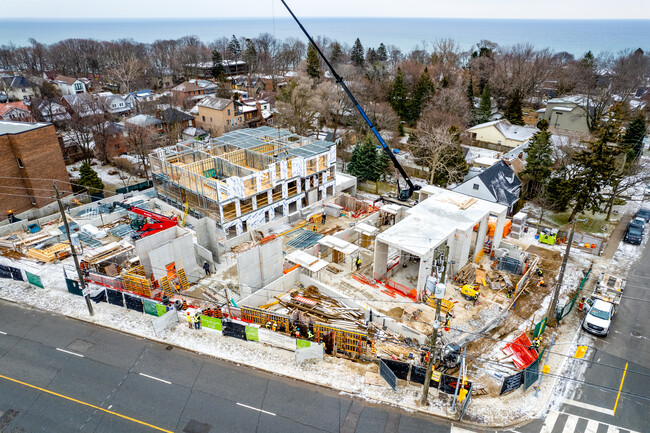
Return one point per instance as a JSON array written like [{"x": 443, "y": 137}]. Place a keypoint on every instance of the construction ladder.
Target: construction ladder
[
  {"x": 183, "y": 279},
  {"x": 166, "y": 288}
]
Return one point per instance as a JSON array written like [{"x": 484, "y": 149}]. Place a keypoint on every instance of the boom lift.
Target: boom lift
[
  {"x": 142, "y": 225},
  {"x": 404, "y": 194}
]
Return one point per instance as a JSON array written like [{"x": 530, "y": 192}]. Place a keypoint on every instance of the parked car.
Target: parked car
[
  {"x": 644, "y": 213},
  {"x": 633, "y": 234},
  {"x": 647, "y": 190},
  {"x": 598, "y": 318},
  {"x": 638, "y": 222}
]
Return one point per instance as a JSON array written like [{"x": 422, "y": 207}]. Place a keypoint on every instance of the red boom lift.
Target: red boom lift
[{"x": 142, "y": 225}]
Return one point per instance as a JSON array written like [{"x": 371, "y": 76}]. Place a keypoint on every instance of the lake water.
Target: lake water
[{"x": 574, "y": 36}]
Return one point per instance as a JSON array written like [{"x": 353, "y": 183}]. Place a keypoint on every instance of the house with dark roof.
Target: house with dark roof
[
  {"x": 497, "y": 184},
  {"x": 185, "y": 91},
  {"x": 175, "y": 119},
  {"x": 18, "y": 88}
]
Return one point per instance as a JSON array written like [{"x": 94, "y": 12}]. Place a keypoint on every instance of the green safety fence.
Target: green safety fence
[
  {"x": 568, "y": 307},
  {"x": 153, "y": 308},
  {"x": 161, "y": 309},
  {"x": 34, "y": 279},
  {"x": 211, "y": 323},
  {"x": 302, "y": 343},
  {"x": 539, "y": 328},
  {"x": 73, "y": 287},
  {"x": 252, "y": 334}
]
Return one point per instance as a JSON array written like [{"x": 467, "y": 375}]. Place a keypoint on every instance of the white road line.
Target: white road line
[
  {"x": 155, "y": 378},
  {"x": 71, "y": 353},
  {"x": 254, "y": 408},
  {"x": 592, "y": 426},
  {"x": 571, "y": 422},
  {"x": 3, "y": 333},
  {"x": 549, "y": 422},
  {"x": 455, "y": 429},
  {"x": 589, "y": 406},
  {"x": 612, "y": 429}
]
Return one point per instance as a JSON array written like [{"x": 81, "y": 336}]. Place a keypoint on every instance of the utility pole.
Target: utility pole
[
  {"x": 74, "y": 253},
  {"x": 439, "y": 294},
  {"x": 551, "y": 316}
]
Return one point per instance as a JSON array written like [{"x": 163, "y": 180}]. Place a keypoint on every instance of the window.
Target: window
[
  {"x": 24, "y": 90},
  {"x": 475, "y": 186},
  {"x": 227, "y": 122},
  {"x": 228, "y": 110},
  {"x": 203, "y": 118},
  {"x": 78, "y": 86},
  {"x": 159, "y": 126},
  {"x": 20, "y": 163},
  {"x": 33, "y": 200},
  {"x": 190, "y": 123}
]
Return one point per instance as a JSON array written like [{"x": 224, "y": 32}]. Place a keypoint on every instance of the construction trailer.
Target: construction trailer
[
  {"x": 405, "y": 253},
  {"x": 245, "y": 178}
]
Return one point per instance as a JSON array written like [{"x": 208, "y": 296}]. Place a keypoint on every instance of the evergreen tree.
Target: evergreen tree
[
  {"x": 353, "y": 164},
  {"x": 484, "y": 111},
  {"x": 382, "y": 53},
  {"x": 223, "y": 88},
  {"x": 336, "y": 56},
  {"x": 89, "y": 179},
  {"x": 633, "y": 138},
  {"x": 217, "y": 64},
  {"x": 234, "y": 47},
  {"x": 539, "y": 161},
  {"x": 313, "y": 65},
  {"x": 513, "y": 111},
  {"x": 356, "y": 55},
  {"x": 371, "y": 56},
  {"x": 363, "y": 163},
  {"x": 383, "y": 163},
  {"x": 424, "y": 89},
  {"x": 398, "y": 98},
  {"x": 250, "y": 55}
]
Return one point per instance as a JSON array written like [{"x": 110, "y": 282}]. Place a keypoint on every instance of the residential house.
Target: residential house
[
  {"x": 161, "y": 78},
  {"x": 53, "y": 112},
  {"x": 186, "y": 91},
  {"x": 194, "y": 133},
  {"x": 116, "y": 105},
  {"x": 70, "y": 85},
  {"x": 230, "y": 67},
  {"x": 175, "y": 119},
  {"x": 566, "y": 113},
  {"x": 209, "y": 87},
  {"x": 501, "y": 134},
  {"x": 146, "y": 121},
  {"x": 218, "y": 115},
  {"x": 256, "y": 112},
  {"x": 18, "y": 88},
  {"x": 497, "y": 184},
  {"x": 83, "y": 104},
  {"x": 116, "y": 142},
  {"x": 15, "y": 111},
  {"x": 30, "y": 159}
]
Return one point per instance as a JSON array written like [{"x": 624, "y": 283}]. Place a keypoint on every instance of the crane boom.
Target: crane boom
[{"x": 404, "y": 194}]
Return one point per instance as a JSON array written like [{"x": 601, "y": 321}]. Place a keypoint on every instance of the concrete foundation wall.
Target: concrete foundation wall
[
  {"x": 171, "y": 245},
  {"x": 259, "y": 266},
  {"x": 266, "y": 294}
]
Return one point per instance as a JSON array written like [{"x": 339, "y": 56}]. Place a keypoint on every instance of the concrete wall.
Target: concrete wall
[
  {"x": 259, "y": 266},
  {"x": 264, "y": 295},
  {"x": 207, "y": 238},
  {"x": 172, "y": 245}
]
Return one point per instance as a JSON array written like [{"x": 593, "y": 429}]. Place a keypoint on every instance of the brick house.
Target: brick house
[
  {"x": 185, "y": 91},
  {"x": 218, "y": 115},
  {"x": 29, "y": 152}
]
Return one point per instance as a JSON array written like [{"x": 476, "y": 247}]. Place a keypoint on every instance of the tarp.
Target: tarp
[
  {"x": 401, "y": 369},
  {"x": 16, "y": 274},
  {"x": 163, "y": 322},
  {"x": 115, "y": 297},
  {"x": 150, "y": 307},
  {"x": 539, "y": 328},
  {"x": 310, "y": 353},
  {"x": 98, "y": 296},
  {"x": 251, "y": 333},
  {"x": 418, "y": 374},
  {"x": 520, "y": 350},
  {"x": 5, "y": 272},
  {"x": 232, "y": 329},
  {"x": 162, "y": 310},
  {"x": 34, "y": 279},
  {"x": 276, "y": 339},
  {"x": 133, "y": 303}
]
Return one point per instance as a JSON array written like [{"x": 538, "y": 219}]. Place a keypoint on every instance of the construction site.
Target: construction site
[{"x": 250, "y": 233}]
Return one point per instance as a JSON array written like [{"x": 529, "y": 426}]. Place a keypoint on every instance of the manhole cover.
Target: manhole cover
[
  {"x": 636, "y": 333},
  {"x": 196, "y": 427},
  {"x": 79, "y": 346}
]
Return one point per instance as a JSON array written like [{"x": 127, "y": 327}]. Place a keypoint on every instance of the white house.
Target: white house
[
  {"x": 502, "y": 133},
  {"x": 69, "y": 85},
  {"x": 53, "y": 112},
  {"x": 116, "y": 104}
]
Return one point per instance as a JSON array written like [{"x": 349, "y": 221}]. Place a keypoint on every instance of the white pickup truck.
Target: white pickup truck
[{"x": 601, "y": 304}]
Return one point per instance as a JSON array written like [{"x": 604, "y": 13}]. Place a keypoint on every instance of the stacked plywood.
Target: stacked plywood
[{"x": 50, "y": 254}]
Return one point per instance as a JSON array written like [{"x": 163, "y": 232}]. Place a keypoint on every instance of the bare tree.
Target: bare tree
[
  {"x": 296, "y": 106},
  {"x": 142, "y": 141},
  {"x": 127, "y": 75}
]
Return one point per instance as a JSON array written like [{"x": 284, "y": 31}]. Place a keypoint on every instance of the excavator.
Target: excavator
[
  {"x": 142, "y": 225},
  {"x": 405, "y": 193}
]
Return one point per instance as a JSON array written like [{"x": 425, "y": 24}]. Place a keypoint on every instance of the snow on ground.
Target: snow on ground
[{"x": 119, "y": 180}]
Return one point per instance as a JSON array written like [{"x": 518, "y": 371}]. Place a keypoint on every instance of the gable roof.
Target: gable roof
[
  {"x": 214, "y": 102},
  {"x": 67, "y": 80},
  {"x": 509, "y": 131},
  {"x": 143, "y": 120},
  {"x": 6, "y": 108},
  {"x": 502, "y": 182},
  {"x": 186, "y": 87},
  {"x": 172, "y": 115},
  {"x": 17, "y": 82}
]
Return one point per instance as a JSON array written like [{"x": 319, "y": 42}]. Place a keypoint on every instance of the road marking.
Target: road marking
[
  {"x": 589, "y": 406},
  {"x": 455, "y": 429},
  {"x": 619, "y": 390},
  {"x": 3, "y": 333},
  {"x": 254, "y": 408},
  {"x": 85, "y": 404},
  {"x": 71, "y": 353},
  {"x": 549, "y": 422},
  {"x": 570, "y": 424},
  {"x": 592, "y": 426},
  {"x": 155, "y": 378}
]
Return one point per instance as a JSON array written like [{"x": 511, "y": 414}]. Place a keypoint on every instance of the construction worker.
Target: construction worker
[
  {"x": 541, "y": 283},
  {"x": 536, "y": 343},
  {"x": 581, "y": 304},
  {"x": 309, "y": 334},
  {"x": 268, "y": 324},
  {"x": 189, "y": 319},
  {"x": 274, "y": 327},
  {"x": 297, "y": 332},
  {"x": 511, "y": 293},
  {"x": 323, "y": 217},
  {"x": 206, "y": 268},
  {"x": 448, "y": 322},
  {"x": 178, "y": 287},
  {"x": 358, "y": 262},
  {"x": 539, "y": 272},
  {"x": 313, "y": 229},
  {"x": 197, "y": 321}
]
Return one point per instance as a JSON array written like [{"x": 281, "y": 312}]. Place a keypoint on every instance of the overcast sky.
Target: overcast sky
[{"x": 550, "y": 9}]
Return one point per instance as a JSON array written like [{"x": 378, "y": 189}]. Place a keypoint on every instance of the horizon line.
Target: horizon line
[{"x": 308, "y": 17}]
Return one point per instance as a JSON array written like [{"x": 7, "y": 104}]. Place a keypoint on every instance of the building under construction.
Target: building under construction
[{"x": 245, "y": 178}]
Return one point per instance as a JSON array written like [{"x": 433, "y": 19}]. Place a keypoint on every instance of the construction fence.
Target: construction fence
[{"x": 562, "y": 313}]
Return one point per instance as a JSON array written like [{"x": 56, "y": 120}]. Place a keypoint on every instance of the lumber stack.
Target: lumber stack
[
  {"x": 50, "y": 254},
  {"x": 466, "y": 275}
]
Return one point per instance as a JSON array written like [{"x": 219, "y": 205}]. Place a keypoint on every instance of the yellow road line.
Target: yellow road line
[
  {"x": 619, "y": 389},
  {"x": 86, "y": 404}
]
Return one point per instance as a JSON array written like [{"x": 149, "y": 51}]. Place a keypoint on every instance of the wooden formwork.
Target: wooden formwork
[
  {"x": 136, "y": 281},
  {"x": 353, "y": 344},
  {"x": 262, "y": 317}
]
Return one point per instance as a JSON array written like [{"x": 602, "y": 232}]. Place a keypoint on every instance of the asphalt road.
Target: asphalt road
[{"x": 62, "y": 375}]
